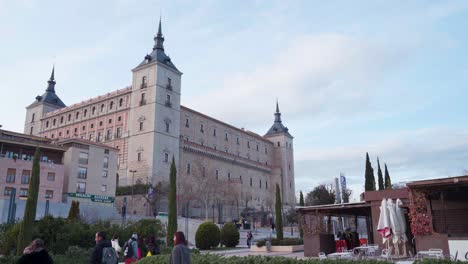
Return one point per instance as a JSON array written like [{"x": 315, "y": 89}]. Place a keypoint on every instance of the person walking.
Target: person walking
[
  {"x": 249, "y": 239},
  {"x": 180, "y": 253},
  {"x": 103, "y": 251},
  {"x": 115, "y": 244},
  {"x": 35, "y": 253},
  {"x": 131, "y": 249}
]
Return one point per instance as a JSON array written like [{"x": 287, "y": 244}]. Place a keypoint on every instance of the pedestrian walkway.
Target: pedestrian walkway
[{"x": 243, "y": 252}]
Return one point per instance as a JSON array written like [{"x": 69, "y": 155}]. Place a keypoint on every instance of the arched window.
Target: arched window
[
  {"x": 77, "y": 115},
  {"x": 94, "y": 110},
  {"x": 69, "y": 117},
  {"x": 85, "y": 112},
  {"x": 47, "y": 124},
  {"x": 54, "y": 122},
  {"x": 111, "y": 104},
  {"x": 61, "y": 120},
  {"x": 102, "y": 108},
  {"x": 120, "y": 102}
]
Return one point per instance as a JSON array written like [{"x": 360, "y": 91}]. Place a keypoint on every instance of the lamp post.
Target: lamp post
[{"x": 133, "y": 183}]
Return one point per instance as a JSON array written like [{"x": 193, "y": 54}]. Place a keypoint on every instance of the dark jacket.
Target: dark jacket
[
  {"x": 180, "y": 255},
  {"x": 96, "y": 256},
  {"x": 39, "y": 257}
]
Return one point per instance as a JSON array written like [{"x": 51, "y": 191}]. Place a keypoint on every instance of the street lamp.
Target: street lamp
[{"x": 133, "y": 183}]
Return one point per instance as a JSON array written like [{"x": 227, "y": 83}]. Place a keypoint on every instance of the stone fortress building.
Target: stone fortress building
[{"x": 149, "y": 126}]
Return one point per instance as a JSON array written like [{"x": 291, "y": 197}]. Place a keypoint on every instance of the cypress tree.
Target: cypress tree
[
  {"x": 369, "y": 175},
  {"x": 380, "y": 176},
  {"x": 388, "y": 181},
  {"x": 301, "y": 203},
  {"x": 74, "y": 212},
  {"x": 279, "y": 214},
  {"x": 26, "y": 228},
  {"x": 172, "y": 214}
]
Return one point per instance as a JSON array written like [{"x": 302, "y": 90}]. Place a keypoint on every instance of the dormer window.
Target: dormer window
[{"x": 143, "y": 82}]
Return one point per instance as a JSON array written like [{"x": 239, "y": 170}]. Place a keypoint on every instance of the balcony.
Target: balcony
[
  {"x": 168, "y": 104},
  {"x": 142, "y": 102},
  {"x": 169, "y": 87},
  {"x": 143, "y": 85}
]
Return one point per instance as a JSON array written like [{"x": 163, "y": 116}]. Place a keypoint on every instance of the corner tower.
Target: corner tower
[
  {"x": 45, "y": 103},
  {"x": 154, "y": 117},
  {"x": 283, "y": 158}
]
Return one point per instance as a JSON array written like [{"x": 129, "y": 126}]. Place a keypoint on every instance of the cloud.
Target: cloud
[
  {"x": 316, "y": 74},
  {"x": 409, "y": 155}
]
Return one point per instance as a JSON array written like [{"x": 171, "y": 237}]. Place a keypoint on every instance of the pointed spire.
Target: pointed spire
[
  {"x": 51, "y": 81},
  {"x": 277, "y": 114},
  {"x": 159, "y": 39}
]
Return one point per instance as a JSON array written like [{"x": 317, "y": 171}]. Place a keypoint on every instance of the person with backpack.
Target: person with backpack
[
  {"x": 130, "y": 249},
  {"x": 249, "y": 238},
  {"x": 103, "y": 251}
]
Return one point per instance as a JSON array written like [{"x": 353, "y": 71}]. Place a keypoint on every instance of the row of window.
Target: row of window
[
  {"x": 23, "y": 192},
  {"x": 144, "y": 83},
  {"x": 77, "y": 114},
  {"x": 81, "y": 187},
  {"x": 83, "y": 171},
  {"x": 166, "y": 103},
  {"x": 25, "y": 176}
]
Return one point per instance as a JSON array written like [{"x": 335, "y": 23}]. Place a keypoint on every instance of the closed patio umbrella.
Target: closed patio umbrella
[
  {"x": 401, "y": 218},
  {"x": 383, "y": 226},
  {"x": 394, "y": 224}
]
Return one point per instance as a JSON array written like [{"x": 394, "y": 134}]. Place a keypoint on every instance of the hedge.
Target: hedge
[
  {"x": 215, "y": 259},
  {"x": 207, "y": 236},
  {"x": 283, "y": 242},
  {"x": 229, "y": 235}
]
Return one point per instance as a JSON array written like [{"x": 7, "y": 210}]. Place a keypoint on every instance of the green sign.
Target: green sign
[{"x": 93, "y": 197}]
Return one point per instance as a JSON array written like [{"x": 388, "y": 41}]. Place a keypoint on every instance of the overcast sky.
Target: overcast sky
[{"x": 384, "y": 77}]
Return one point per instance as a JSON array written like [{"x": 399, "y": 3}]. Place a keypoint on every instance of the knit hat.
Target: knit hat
[{"x": 135, "y": 236}]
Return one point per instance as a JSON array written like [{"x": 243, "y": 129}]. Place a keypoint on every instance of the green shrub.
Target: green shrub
[
  {"x": 10, "y": 239},
  {"x": 282, "y": 242},
  {"x": 207, "y": 236},
  {"x": 229, "y": 235}
]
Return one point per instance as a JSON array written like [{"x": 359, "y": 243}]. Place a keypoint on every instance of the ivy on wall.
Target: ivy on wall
[{"x": 421, "y": 222}]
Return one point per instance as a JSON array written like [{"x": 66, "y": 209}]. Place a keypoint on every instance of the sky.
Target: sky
[{"x": 384, "y": 77}]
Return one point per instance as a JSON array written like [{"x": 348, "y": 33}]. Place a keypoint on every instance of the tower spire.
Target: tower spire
[
  {"x": 277, "y": 114},
  {"x": 159, "y": 39},
  {"x": 51, "y": 81}
]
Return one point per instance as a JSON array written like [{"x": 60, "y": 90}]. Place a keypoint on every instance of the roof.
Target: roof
[
  {"x": 49, "y": 97},
  {"x": 28, "y": 140},
  {"x": 278, "y": 127},
  {"x": 85, "y": 142},
  {"x": 158, "y": 53},
  {"x": 358, "y": 208},
  {"x": 441, "y": 182},
  {"x": 250, "y": 133}
]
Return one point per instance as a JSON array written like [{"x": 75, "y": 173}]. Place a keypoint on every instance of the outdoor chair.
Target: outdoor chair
[
  {"x": 372, "y": 250},
  {"x": 386, "y": 254},
  {"x": 322, "y": 255}
]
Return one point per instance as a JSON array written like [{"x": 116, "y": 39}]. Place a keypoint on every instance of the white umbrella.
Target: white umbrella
[
  {"x": 402, "y": 221},
  {"x": 394, "y": 224},
  {"x": 384, "y": 222}
]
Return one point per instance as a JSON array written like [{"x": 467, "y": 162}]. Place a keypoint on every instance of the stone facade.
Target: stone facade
[{"x": 149, "y": 127}]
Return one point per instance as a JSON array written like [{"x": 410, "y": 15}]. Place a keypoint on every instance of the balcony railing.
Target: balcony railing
[
  {"x": 168, "y": 104},
  {"x": 169, "y": 87},
  {"x": 142, "y": 102},
  {"x": 143, "y": 85}
]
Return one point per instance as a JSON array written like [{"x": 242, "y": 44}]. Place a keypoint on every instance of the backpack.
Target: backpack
[
  {"x": 128, "y": 249},
  {"x": 109, "y": 256}
]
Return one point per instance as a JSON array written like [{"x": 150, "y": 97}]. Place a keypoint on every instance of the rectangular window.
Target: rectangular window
[
  {"x": 266, "y": 151},
  {"x": 266, "y": 184},
  {"x": 119, "y": 118},
  {"x": 229, "y": 176},
  {"x": 106, "y": 151},
  {"x": 201, "y": 128},
  {"x": 188, "y": 168},
  {"x": 31, "y": 131},
  {"x": 23, "y": 192},
  {"x": 117, "y": 133},
  {"x": 248, "y": 144},
  {"x": 110, "y": 121},
  {"x": 83, "y": 158},
  {"x": 257, "y": 147},
  {"x": 82, "y": 172},
  {"x": 203, "y": 171},
  {"x": 167, "y": 127},
  {"x": 83, "y": 128},
  {"x": 49, "y": 194},
  {"x": 8, "y": 191},
  {"x": 240, "y": 179},
  {"x": 33, "y": 115},
  {"x": 217, "y": 174},
  {"x": 166, "y": 157},
  {"x": 238, "y": 141},
  {"x": 250, "y": 182},
  {"x": 99, "y": 135},
  {"x": 214, "y": 132},
  {"x": 143, "y": 82},
  {"x": 25, "y": 177},
  {"x": 109, "y": 134},
  {"x": 11, "y": 175},
  {"x": 187, "y": 123},
  {"x": 260, "y": 184},
  {"x": 139, "y": 156},
  {"x": 90, "y": 137},
  {"x": 81, "y": 187},
  {"x": 103, "y": 188},
  {"x": 106, "y": 162},
  {"x": 104, "y": 174},
  {"x": 278, "y": 144},
  {"x": 226, "y": 136},
  {"x": 51, "y": 176},
  {"x": 141, "y": 126}
]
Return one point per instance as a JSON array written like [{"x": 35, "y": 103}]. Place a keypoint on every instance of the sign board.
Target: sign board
[{"x": 93, "y": 197}]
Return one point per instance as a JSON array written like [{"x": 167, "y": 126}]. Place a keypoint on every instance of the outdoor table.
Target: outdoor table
[
  {"x": 430, "y": 253},
  {"x": 340, "y": 255},
  {"x": 364, "y": 249}
]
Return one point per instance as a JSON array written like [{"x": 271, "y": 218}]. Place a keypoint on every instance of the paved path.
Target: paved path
[{"x": 242, "y": 252}]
